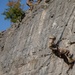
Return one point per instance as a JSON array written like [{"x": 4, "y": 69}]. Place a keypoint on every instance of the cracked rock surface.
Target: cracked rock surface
[{"x": 24, "y": 47}]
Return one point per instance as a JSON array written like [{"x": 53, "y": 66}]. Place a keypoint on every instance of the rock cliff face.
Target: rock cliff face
[{"x": 24, "y": 47}]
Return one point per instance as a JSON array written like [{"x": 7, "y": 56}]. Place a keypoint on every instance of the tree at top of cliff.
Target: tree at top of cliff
[{"x": 14, "y": 11}]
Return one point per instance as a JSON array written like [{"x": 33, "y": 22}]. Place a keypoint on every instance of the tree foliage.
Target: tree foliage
[{"x": 14, "y": 11}]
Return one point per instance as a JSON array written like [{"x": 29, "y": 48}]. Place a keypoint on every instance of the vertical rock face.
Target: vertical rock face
[{"x": 24, "y": 47}]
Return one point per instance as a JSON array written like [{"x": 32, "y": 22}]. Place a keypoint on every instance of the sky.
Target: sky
[{"x": 5, "y": 24}]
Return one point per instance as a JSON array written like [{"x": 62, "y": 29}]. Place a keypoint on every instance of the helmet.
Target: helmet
[{"x": 52, "y": 37}]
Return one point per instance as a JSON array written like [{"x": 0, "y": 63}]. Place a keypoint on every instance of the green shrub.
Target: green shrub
[{"x": 14, "y": 11}]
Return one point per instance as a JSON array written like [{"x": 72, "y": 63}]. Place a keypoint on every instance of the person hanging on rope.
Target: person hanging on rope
[{"x": 60, "y": 52}]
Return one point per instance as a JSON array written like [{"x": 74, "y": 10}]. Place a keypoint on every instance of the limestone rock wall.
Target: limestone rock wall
[{"x": 24, "y": 47}]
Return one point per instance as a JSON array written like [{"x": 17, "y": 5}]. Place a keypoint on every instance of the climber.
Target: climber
[
  {"x": 62, "y": 53},
  {"x": 30, "y": 4}
]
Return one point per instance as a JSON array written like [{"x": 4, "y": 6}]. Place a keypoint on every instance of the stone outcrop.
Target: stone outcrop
[{"x": 24, "y": 47}]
